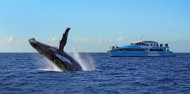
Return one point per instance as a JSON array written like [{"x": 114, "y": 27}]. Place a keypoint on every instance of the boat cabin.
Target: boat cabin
[
  {"x": 145, "y": 43},
  {"x": 141, "y": 48}
]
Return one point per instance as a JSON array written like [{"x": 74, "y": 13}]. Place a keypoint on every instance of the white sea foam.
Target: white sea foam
[
  {"x": 86, "y": 62},
  {"x": 49, "y": 66},
  {"x": 44, "y": 64}
]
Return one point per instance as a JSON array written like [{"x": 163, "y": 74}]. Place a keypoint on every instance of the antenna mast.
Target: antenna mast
[{"x": 142, "y": 37}]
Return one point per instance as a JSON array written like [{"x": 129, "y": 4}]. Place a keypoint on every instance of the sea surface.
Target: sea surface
[{"x": 31, "y": 73}]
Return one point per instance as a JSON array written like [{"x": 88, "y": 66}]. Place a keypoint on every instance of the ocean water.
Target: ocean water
[{"x": 31, "y": 73}]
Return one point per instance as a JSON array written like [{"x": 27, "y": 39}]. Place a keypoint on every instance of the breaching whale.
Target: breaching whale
[{"x": 57, "y": 56}]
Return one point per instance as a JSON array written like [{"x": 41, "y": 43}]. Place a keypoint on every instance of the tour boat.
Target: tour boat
[{"x": 141, "y": 49}]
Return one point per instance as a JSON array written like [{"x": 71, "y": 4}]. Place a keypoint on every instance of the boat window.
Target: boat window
[
  {"x": 156, "y": 49},
  {"x": 129, "y": 49},
  {"x": 122, "y": 50},
  {"x": 132, "y": 43},
  {"x": 113, "y": 47},
  {"x": 116, "y": 50},
  {"x": 141, "y": 44},
  {"x": 161, "y": 45},
  {"x": 134, "y": 49},
  {"x": 168, "y": 50}
]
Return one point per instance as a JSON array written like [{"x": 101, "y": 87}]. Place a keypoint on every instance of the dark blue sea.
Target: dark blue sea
[{"x": 31, "y": 73}]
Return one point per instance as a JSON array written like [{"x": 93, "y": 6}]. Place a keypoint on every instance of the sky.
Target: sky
[{"x": 95, "y": 24}]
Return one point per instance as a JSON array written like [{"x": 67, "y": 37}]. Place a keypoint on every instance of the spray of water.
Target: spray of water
[
  {"x": 85, "y": 61},
  {"x": 48, "y": 66},
  {"x": 44, "y": 64}
]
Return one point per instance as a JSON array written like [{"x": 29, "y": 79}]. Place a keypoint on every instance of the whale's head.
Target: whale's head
[{"x": 40, "y": 47}]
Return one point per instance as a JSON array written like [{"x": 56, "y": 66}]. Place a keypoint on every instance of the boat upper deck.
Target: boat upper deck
[{"x": 145, "y": 44}]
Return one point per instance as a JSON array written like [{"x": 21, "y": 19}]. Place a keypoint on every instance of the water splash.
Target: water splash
[
  {"x": 44, "y": 64},
  {"x": 48, "y": 66},
  {"x": 85, "y": 60}
]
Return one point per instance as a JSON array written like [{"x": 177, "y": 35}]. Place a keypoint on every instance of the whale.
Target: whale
[{"x": 57, "y": 55}]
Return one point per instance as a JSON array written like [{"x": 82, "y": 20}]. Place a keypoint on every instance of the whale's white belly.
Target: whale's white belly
[{"x": 63, "y": 58}]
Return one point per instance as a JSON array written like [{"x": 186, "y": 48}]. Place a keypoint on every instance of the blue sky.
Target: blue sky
[{"x": 95, "y": 25}]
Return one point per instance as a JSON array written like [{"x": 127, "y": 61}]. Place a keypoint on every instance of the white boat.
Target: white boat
[{"x": 141, "y": 49}]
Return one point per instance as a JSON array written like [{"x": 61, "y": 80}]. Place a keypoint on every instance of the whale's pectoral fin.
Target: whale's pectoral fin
[{"x": 64, "y": 40}]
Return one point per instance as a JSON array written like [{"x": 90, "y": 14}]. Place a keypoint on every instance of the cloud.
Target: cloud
[
  {"x": 104, "y": 41},
  {"x": 8, "y": 40},
  {"x": 82, "y": 40},
  {"x": 99, "y": 40},
  {"x": 53, "y": 39},
  {"x": 120, "y": 39}
]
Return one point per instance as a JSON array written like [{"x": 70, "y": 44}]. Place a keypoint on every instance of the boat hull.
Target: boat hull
[{"x": 139, "y": 54}]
